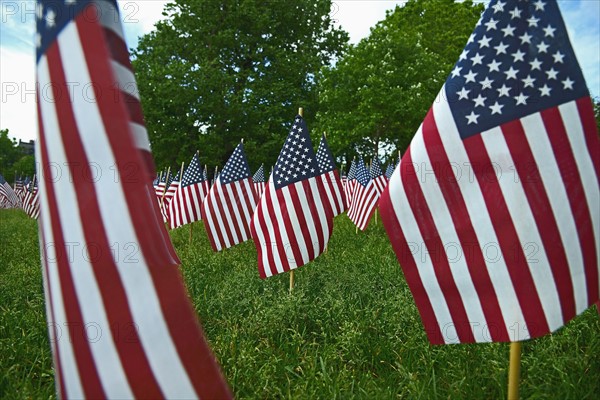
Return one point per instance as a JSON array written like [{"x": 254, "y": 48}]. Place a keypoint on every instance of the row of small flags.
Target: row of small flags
[
  {"x": 494, "y": 292},
  {"x": 24, "y": 195}
]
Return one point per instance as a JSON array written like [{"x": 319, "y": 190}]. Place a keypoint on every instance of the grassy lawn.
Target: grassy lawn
[{"x": 350, "y": 329}]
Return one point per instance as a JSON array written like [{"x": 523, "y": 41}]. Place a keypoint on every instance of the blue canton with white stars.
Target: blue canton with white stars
[
  {"x": 193, "y": 173},
  {"x": 352, "y": 172},
  {"x": 362, "y": 175},
  {"x": 389, "y": 170},
  {"x": 259, "y": 175},
  {"x": 376, "y": 168},
  {"x": 518, "y": 61},
  {"x": 53, "y": 15},
  {"x": 236, "y": 168},
  {"x": 324, "y": 157},
  {"x": 297, "y": 160}
]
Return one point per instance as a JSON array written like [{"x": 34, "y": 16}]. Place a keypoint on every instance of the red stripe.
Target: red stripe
[
  {"x": 114, "y": 297},
  {"x": 516, "y": 260},
  {"x": 408, "y": 264},
  {"x": 579, "y": 207},
  {"x": 210, "y": 216},
  {"x": 292, "y": 249},
  {"x": 154, "y": 241},
  {"x": 117, "y": 48},
  {"x": 233, "y": 205},
  {"x": 590, "y": 131},
  {"x": 443, "y": 273},
  {"x": 88, "y": 375},
  {"x": 461, "y": 220},
  {"x": 220, "y": 199}
]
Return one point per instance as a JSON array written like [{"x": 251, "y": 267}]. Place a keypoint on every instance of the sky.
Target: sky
[{"x": 17, "y": 60}]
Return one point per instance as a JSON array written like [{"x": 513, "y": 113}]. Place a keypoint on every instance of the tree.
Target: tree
[
  {"x": 9, "y": 153},
  {"x": 382, "y": 88},
  {"x": 596, "y": 102},
  {"x": 217, "y": 71}
]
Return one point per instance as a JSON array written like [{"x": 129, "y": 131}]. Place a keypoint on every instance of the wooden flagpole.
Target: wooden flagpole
[
  {"x": 514, "y": 370},
  {"x": 300, "y": 113}
]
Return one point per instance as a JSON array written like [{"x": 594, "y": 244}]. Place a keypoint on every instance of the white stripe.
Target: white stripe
[
  {"x": 104, "y": 352},
  {"x": 482, "y": 224},
  {"x": 425, "y": 269},
  {"x": 215, "y": 219},
  {"x": 227, "y": 210},
  {"x": 235, "y": 198},
  {"x": 330, "y": 198},
  {"x": 125, "y": 80},
  {"x": 323, "y": 220},
  {"x": 259, "y": 238},
  {"x": 550, "y": 174},
  {"x": 295, "y": 223},
  {"x": 524, "y": 223},
  {"x": 585, "y": 167},
  {"x": 290, "y": 259},
  {"x": 138, "y": 284}
]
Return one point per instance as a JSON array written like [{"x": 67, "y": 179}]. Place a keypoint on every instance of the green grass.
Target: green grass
[{"x": 350, "y": 329}]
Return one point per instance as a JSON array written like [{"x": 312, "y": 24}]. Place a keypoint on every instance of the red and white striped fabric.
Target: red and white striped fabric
[
  {"x": 259, "y": 181},
  {"x": 493, "y": 211},
  {"x": 293, "y": 221},
  {"x": 350, "y": 183},
  {"x": 120, "y": 322},
  {"x": 186, "y": 205},
  {"x": 11, "y": 200},
  {"x": 331, "y": 178},
  {"x": 379, "y": 179},
  {"x": 364, "y": 199},
  {"x": 228, "y": 208}
]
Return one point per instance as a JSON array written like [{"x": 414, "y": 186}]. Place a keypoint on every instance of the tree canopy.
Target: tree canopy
[
  {"x": 381, "y": 89},
  {"x": 12, "y": 160},
  {"x": 216, "y": 71}
]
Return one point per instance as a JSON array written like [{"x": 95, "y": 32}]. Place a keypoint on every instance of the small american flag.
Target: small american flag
[
  {"x": 331, "y": 178},
  {"x": 364, "y": 199},
  {"x": 113, "y": 292},
  {"x": 186, "y": 205},
  {"x": 379, "y": 180},
  {"x": 493, "y": 211},
  {"x": 228, "y": 208},
  {"x": 350, "y": 183},
  {"x": 390, "y": 169},
  {"x": 259, "y": 180},
  {"x": 11, "y": 200},
  {"x": 293, "y": 221}
]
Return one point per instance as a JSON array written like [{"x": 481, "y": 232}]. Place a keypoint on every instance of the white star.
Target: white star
[
  {"x": 528, "y": 81},
  {"x": 484, "y": 41},
  {"x": 493, "y": 66},
  {"x": 456, "y": 71},
  {"x": 491, "y": 24},
  {"x": 539, "y": 5},
  {"x": 526, "y": 38},
  {"x": 542, "y": 47},
  {"x": 511, "y": 73},
  {"x": 508, "y": 31},
  {"x": 470, "y": 77},
  {"x": 536, "y": 64},
  {"x": 486, "y": 83},
  {"x": 39, "y": 11},
  {"x": 552, "y": 73},
  {"x": 472, "y": 118},
  {"x": 503, "y": 91},
  {"x": 496, "y": 108},
  {"x": 501, "y": 48},
  {"x": 568, "y": 83},
  {"x": 533, "y": 21},
  {"x": 50, "y": 18},
  {"x": 558, "y": 57},
  {"x": 480, "y": 101},
  {"x": 516, "y": 13},
  {"x": 476, "y": 59},
  {"x": 545, "y": 91},
  {"x": 463, "y": 94},
  {"x": 518, "y": 56},
  {"x": 549, "y": 31},
  {"x": 521, "y": 99},
  {"x": 499, "y": 7},
  {"x": 463, "y": 55}
]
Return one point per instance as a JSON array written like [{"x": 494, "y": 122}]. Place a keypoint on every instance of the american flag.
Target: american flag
[
  {"x": 331, "y": 178},
  {"x": 259, "y": 180},
  {"x": 493, "y": 211},
  {"x": 365, "y": 198},
  {"x": 228, "y": 208},
  {"x": 31, "y": 199},
  {"x": 350, "y": 183},
  {"x": 186, "y": 205},
  {"x": 379, "y": 180},
  {"x": 390, "y": 169},
  {"x": 205, "y": 181},
  {"x": 293, "y": 221},
  {"x": 120, "y": 322},
  {"x": 159, "y": 185},
  {"x": 7, "y": 193}
]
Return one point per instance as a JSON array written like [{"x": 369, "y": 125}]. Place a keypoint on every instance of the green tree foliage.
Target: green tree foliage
[
  {"x": 382, "y": 88},
  {"x": 9, "y": 152},
  {"x": 216, "y": 71}
]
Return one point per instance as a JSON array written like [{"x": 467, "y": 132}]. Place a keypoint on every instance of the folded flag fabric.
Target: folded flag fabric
[
  {"x": 186, "y": 205},
  {"x": 331, "y": 178}
]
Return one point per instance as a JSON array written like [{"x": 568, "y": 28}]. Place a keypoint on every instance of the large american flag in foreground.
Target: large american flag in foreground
[
  {"x": 501, "y": 244},
  {"x": 120, "y": 322},
  {"x": 228, "y": 208},
  {"x": 293, "y": 221},
  {"x": 331, "y": 178}
]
